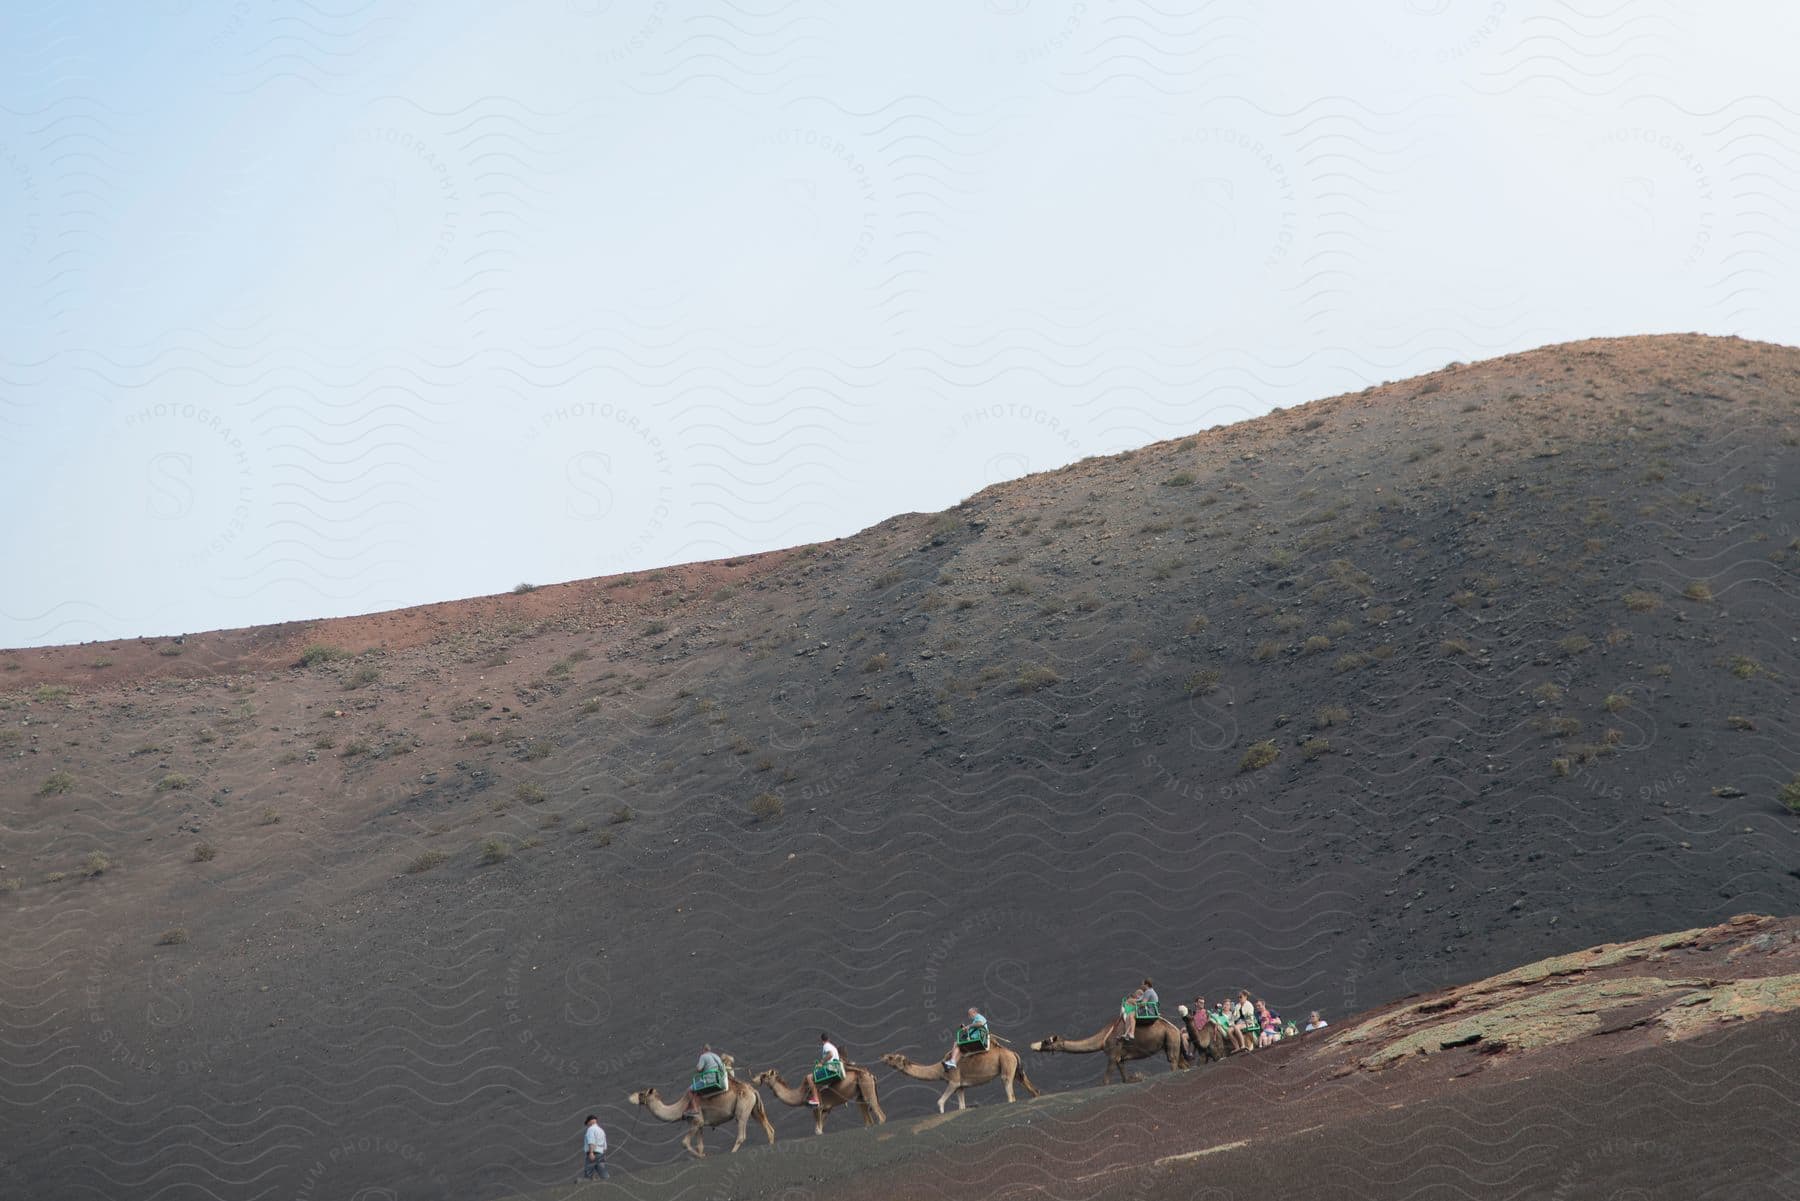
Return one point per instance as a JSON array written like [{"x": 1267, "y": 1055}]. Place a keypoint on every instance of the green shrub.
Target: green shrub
[
  {"x": 621, "y": 815},
  {"x": 172, "y": 782},
  {"x": 876, "y": 663},
  {"x": 1642, "y": 602},
  {"x": 205, "y": 852},
  {"x": 1259, "y": 755},
  {"x": 173, "y": 937},
  {"x": 427, "y": 860},
  {"x": 1312, "y": 748},
  {"x": 1032, "y": 678},
  {"x": 1331, "y": 715},
  {"x": 765, "y": 806},
  {"x": 96, "y": 863},
  {"x": 1790, "y": 794},
  {"x": 530, "y": 794},
  {"x": 1699, "y": 590},
  {"x": 496, "y": 850},
  {"x": 56, "y": 783},
  {"x": 1203, "y": 682},
  {"x": 319, "y": 653}
]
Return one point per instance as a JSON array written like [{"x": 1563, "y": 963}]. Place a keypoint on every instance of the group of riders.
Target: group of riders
[{"x": 1254, "y": 1018}]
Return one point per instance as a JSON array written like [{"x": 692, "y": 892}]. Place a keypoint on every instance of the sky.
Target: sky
[{"x": 318, "y": 309}]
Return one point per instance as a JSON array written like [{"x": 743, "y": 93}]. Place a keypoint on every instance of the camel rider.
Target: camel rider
[
  {"x": 828, "y": 1057},
  {"x": 709, "y": 1061},
  {"x": 1128, "y": 1013},
  {"x": 977, "y": 1021},
  {"x": 1147, "y": 995}
]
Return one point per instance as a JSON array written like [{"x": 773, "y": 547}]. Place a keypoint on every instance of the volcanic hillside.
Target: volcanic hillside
[{"x": 1385, "y": 692}]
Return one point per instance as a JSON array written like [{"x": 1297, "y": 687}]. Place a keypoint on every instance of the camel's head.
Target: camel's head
[
  {"x": 766, "y": 1076},
  {"x": 1053, "y": 1042},
  {"x": 1182, "y": 1010},
  {"x": 895, "y": 1060},
  {"x": 642, "y": 1098}
]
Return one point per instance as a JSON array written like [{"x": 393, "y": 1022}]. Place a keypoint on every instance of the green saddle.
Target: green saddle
[
  {"x": 1149, "y": 1011},
  {"x": 826, "y": 1073},
  {"x": 972, "y": 1038},
  {"x": 705, "y": 1084}
]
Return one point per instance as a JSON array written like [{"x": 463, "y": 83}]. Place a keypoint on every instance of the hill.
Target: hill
[{"x": 1363, "y": 698}]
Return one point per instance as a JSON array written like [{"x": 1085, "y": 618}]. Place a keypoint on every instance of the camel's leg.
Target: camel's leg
[
  {"x": 695, "y": 1139},
  {"x": 950, "y": 1086},
  {"x": 962, "y": 1098},
  {"x": 1008, "y": 1081},
  {"x": 743, "y": 1118}
]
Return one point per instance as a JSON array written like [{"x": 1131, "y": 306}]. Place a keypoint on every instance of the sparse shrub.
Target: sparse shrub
[
  {"x": 95, "y": 864},
  {"x": 1559, "y": 727},
  {"x": 1790, "y": 794},
  {"x": 1642, "y": 602},
  {"x": 551, "y": 820},
  {"x": 1016, "y": 587},
  {"x": 49, "y": 693},
  {"x": 172, "y": 937},
  {"x": 655, "y": 628},
  {"x": 496, "y": 850},
  {"x": 56, "y": 783},
  {"x": 1351, "y": 662},
  {"x": 1339, "y": 628},
  {"x": 1617, "y": 637},
  {"x": 425, "y": 861},
  {"x": 204, "y": 736},
  {"x": 1197, "y": 624},
  {"x": 362, "y": 677},
  {"x": 1455, "y": 646},
  {"x": 319, "y": 653},
  {"x": 11, "y": 884},
  {"x": 1740, "y": 723},
  {"x": 478, "y": 738},
  {"x": 964, "y": 602},
  {"x": 355, "y": 747},
  {"x": 1035, "y": 677},
  {"x": 55, "y": 877},
  {"x": 1574, "y": 644},
  {"x": 1616, "y": 702},
  {"x": 1181, "y": 479},
  {"x": 529, "y": 794},
  {"x": 173, "y": 782},
  {"x": 765, "y": 806},
  {"x": 1265, "y": 650},
  {"x": 1662, "y": 671},
  {"x": 1559, "y": 767},
  {"x": 533, "y": 841},
  {"x": 1317, "y": 644},
  {"x": 1259, "y": 755},
  {"x": 540, "y": 748},
  {"x": 1699, "y": 590},
  {"x": 324, "y": 742},
  {"x": 269, "y": 816},
  {"x": 1463, "y": 599},
  {"x": 1312, "y": 748},
  {"x": 1330, "y": 715},
  {"x": 603, "y": 839},
  {"x": 765, "y": 765},
  {"x": 590, "y": 706},
  {"x": 520, "y": 589},
  {"x": 876, "y": 662},
  {"x": 621, "y": 815},
  {"x": 1744, "y": 667},
  {"x": 1203, "y": 682}
]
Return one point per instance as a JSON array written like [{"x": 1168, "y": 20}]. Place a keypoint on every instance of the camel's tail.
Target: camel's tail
[
  {"x": 761, "y": 1114},
  {"x": 1025, "y": 1081}
]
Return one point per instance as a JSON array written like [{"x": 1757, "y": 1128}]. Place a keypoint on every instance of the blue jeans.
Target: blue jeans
[{"x": 595, "y": 1167}]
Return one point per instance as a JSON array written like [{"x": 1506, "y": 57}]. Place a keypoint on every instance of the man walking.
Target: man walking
[{"x": 593, "y": 1151}]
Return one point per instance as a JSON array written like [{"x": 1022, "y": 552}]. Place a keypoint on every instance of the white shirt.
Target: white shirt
[
  {"x": 594, "y": 1139},
  {"x": 1318, "y": 1025},
  {"x": 828, "y": 1052}
]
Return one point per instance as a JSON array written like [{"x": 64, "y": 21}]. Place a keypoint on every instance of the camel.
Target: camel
[
  {"x": 1160, "y": 1037},
  {"x": 975, "y": 1068},
  {"x": 858, "y": 1086},
  {"x": 739, "y": 1101},
  {"x": 1208, "y": 1040}
]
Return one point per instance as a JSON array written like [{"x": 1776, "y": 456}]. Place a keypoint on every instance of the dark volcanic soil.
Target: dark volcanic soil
[{"x": 1517, "y": 638}]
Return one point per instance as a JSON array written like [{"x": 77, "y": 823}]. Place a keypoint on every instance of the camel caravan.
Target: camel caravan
[{"x": 977, "y": 1057}]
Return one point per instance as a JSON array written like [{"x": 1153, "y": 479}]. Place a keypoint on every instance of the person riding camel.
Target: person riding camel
[
  {"x": 709, "y": 1062},
  {"x": 828, "y": 1058},
  {"x": 1128, "y": 1013},
  {"x": 977, "y": 1022}
]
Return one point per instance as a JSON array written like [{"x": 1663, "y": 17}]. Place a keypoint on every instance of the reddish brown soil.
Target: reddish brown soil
[{"x": 1519, "y": 634}]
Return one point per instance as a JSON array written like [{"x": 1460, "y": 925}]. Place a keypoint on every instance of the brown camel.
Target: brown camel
[
  {"x": 858, "y": 1086},
  {"x": 1207, "y": 1039},
  {"x": 1160, "y": 1037},
  {"x": 739, "y": 1101},
  {"x": 972, "y": 1070}
]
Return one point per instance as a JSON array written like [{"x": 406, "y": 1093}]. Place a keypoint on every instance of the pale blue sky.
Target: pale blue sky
[{"x": 312, "y": 309}]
